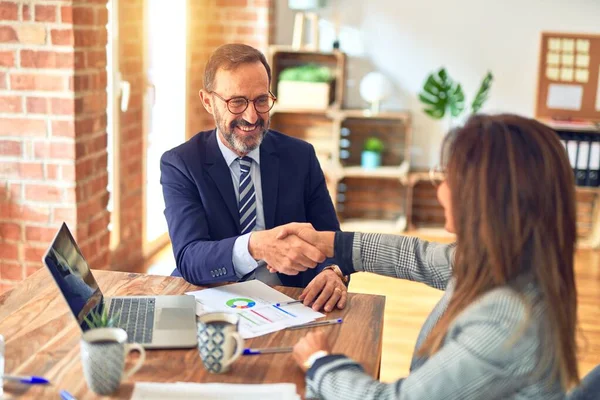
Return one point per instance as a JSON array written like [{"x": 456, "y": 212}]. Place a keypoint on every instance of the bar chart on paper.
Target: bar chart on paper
[{"x": 257, "y": 306}]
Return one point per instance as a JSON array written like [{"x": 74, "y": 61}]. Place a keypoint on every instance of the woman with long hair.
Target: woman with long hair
[{"x": 505, "y": 326}]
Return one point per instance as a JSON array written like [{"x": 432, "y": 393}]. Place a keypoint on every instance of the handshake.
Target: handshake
[{"x": 292, "y": 248}]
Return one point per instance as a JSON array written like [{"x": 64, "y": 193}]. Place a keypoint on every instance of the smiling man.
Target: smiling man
[{"x": 228, "y": 190}]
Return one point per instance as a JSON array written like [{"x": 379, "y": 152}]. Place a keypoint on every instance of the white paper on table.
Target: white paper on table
[
  {"x": 214, "y": 391},
  {"x": 255, "y": 303}
]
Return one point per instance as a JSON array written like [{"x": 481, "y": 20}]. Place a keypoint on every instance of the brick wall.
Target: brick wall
[
  {"x": 213, "y": 23},
  {"x": 128, "y": 255},
  {"x": 52, "y": 131}
]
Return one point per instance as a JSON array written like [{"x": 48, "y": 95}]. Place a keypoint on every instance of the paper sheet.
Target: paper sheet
[
  {"x": 214, "y": 391},
  {"x": 255, "y": 303}
]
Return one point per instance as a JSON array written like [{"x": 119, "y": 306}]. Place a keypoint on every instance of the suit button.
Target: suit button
[{"x": 212, "y": 273}]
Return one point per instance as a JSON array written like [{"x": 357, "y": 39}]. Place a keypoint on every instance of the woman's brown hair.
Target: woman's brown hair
[{"x": 513, "y": 202}]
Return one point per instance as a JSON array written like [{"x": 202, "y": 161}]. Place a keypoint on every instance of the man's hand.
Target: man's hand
[
  {"x": 289, "y": 254},
  {"x": 325, "y": 291},
  {"x": 309, "y": 345},
  {"x": 321, "y": 240}
]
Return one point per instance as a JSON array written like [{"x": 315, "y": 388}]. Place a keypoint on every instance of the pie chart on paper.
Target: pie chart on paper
[{"x": 240, "y": 303}]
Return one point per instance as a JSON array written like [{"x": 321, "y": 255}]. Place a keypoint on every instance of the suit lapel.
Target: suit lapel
[
  {"x": 219, "y": 172},
  {"x": 269, "y": 175}
]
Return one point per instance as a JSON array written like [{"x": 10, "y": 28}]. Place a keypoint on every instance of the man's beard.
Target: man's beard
[{"x": 242, "y": 143}]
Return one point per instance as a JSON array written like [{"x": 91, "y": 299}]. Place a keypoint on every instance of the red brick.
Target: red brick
[
  {"x": 25, "y": 81},
  {"x": 21, "y": 127},
  {"x": 7, "y": 58},
  {"x": 26, "y": 12},
  {"x": 62, "y": 151},
  {"x": 9, "y": 11},
  {"x": 10, "y": 231},
  {"x": 39, "y": 234},
  {"x": 60, "y": 214},
  {"x": 85, "y": 37},
  {"x": 79, "y": 60},
  {"x": 8, "y": 35},
  {"x": 11, "y": 148},
  {"x": 242, "y": 15},
  {"x": 35, "y": 253},
  {"x": 8, "y": 251},
  {"x": 52, "y": 172},
  {"x": 245, "y": 30},
  {"x": 63, "y": 128},
  {"x": 66, "y": 14},
  {"x": 101, "y": 16},
  {"x": 67, "y": 172},
  {"x": 83, "y": 15},
  {"x": 96, "y": 59},
  {"x": 3, "y": 84},
  {"x": 23, "y": 170},
  {"x": 63, "y": 37},
  {"x": 11, "y": 104},
  {"x": 46, "y": 59},
  {"x": 46, "y": 193},
  {"x": 6, "y": 287},
  {"x": 45, "y": 13},
  {"x": 24, "y": 213},
  {"x": 37, "y": 105},
  {"x": 32, "y": 268},
  {"x": 61, "y": 106},
  {"x": 15, "y": 191}
]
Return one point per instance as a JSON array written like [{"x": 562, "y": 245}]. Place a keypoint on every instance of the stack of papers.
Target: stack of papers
[
  {"x": 261, "y": 308},
  {"x": 214, "y": 391}
]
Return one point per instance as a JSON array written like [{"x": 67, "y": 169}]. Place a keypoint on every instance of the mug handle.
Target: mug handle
[
  {"x": 239, "y": 348},
  {"x": 132, "y": 347}
]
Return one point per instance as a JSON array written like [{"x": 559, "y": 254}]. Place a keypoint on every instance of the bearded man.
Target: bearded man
[{"x": 228, "y": 190}]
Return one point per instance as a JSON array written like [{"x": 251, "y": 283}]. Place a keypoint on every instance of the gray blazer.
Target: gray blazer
[{"x": 491, "y": 351}]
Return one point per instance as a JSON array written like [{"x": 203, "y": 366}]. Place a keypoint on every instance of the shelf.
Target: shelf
[
  {"x": 399, "y": 172},
  {"x": 283, "y": 110},
  {"x": 374, "y": 225},
  {"x": 367, "y": 114},
  {"x": 588, "y": 189},
  {"x": 583, "y": 126}
]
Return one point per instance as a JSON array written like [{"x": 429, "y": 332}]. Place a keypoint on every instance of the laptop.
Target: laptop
[{"x": 152, "y": 321}]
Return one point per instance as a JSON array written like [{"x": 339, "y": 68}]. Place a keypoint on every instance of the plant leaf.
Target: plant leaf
[
  {"x": 483, "y": 93},
  {"x": 456, "y": 100},
  {"x": 436, "y": 94}
]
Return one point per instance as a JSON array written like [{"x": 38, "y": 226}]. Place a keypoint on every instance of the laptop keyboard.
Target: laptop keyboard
[{"x": 136, "y": 317}]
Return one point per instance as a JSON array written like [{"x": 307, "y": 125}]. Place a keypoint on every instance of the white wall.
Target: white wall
[{"x": 407, "y": 39}]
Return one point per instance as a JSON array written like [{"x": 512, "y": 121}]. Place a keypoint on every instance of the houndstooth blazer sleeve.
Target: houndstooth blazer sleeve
[
  {"x": 402, "y": 257},
  {"x": 491, "y": 350}
]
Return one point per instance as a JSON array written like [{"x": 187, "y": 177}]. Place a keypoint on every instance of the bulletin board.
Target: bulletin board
[{"x": 569, "y": 77}]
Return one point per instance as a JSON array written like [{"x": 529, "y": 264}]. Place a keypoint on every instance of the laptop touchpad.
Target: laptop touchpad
[{"x": 173, "y": 319}]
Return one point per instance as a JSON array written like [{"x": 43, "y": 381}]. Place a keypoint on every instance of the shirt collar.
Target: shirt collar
[{"x": 230, "y": 156}]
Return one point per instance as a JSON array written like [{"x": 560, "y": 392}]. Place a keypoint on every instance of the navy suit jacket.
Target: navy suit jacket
[{"x": 202, "y": 211}]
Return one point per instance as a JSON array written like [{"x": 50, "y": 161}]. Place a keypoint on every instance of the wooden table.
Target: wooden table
[{"x": 42, "y": 339}]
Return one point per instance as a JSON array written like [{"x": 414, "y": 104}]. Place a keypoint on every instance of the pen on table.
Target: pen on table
[
  {"x": 318, "y": 323},
  {"x": 29, "y": 380},
  {"x": 287, "y": 303},
  {"x": 64, "y": 395},
  {"x": 268, "y": 350}
]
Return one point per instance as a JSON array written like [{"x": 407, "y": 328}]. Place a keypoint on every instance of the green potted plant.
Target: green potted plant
[
  {"x": 443, "y": 96},
  {"x": 96, "y": 320},
  {"x": 306, "y": 86},
  {"x": 371, "y": 154}
]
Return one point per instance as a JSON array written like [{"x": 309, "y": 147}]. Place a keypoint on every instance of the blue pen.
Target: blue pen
[
  {"x": 28, "y": 380},
  {"x": 64, "y": 395},
  {"x": 269, "y": 350}
]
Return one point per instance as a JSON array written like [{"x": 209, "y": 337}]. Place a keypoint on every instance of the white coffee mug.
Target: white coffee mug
[
  {"x": 219, "y": 341},
  {"x": 103, "y": 353}
]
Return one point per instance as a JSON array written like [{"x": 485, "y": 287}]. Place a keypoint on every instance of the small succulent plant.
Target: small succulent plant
[{"x": 97, "y": 319}]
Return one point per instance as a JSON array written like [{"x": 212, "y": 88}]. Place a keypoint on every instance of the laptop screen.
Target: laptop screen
[{"x": 73, "y": 276}]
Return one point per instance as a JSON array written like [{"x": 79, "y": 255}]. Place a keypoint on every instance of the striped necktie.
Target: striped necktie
[{"x": 247, "y": 204}]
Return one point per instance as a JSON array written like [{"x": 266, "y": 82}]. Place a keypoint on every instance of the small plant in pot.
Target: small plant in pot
[
  {"x": 96, "y": 319},
  {"x": 371, "y": 154}
]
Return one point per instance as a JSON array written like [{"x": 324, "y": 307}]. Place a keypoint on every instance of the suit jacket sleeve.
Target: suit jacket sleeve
[
  {"x": 199, "y": 259},
  {"x": 397, "y": 256},
  {"x": 481, "y": 360},
  {"x": 320, "y": 210}
]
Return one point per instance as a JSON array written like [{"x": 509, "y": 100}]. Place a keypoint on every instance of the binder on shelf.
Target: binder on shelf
[
  {"x": 583, "y": 152},
  {"x": 572, "y": 152},
  {"x": 594, "y": 162}
]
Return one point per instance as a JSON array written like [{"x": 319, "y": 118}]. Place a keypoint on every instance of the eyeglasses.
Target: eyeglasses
[
  {"x": 237, "y": 105},
  {"x": 437, "y": 175}
]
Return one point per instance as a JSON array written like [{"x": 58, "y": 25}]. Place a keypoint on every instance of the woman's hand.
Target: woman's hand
[{"x": 309, "y": 345}]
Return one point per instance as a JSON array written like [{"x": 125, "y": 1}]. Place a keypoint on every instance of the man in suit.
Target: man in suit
[{"x": 228, "y": 190}]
